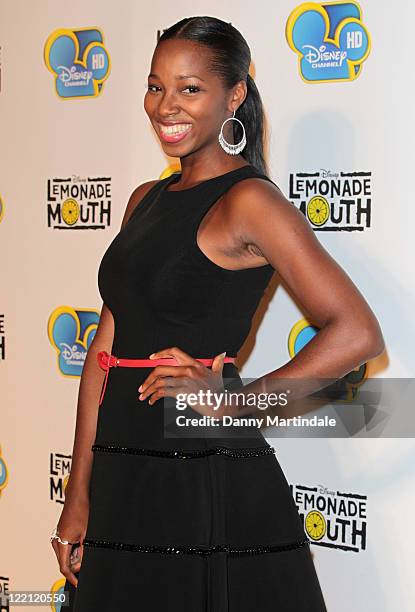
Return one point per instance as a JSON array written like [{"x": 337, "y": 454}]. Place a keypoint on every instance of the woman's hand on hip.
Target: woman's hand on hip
[{"x": 188, "y": 376}]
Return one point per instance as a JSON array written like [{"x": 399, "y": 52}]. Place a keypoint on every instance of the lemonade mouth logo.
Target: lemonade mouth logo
[
  {"x": 60, "y": 468},
  {"x": 330, "y": 40},
  {"x": 4, "y": 473},
  {"x": 4, "y": 593},
  {"x": 331, "y": 518},
  {"x": 333, "y": 202},
  {"x": 2, "y": 339},
  {"x": 344, "y": 389},
  {"x": 79, "y": 62},
  {"x": 71, "y": 332},
  {"x": 78, "y": 203}
]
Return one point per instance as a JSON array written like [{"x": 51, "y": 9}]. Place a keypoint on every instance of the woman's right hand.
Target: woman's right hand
[{"x": 72, "y": 526}]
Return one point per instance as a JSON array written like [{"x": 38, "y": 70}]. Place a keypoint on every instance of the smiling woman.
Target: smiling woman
[
  {"x": 197, "y": 93},
  {"x": 199, "y": 520}
]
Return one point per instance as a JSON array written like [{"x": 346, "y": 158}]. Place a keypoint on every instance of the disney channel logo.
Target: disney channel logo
[
  {"x": 71, "y": 332},
  {"x": 79, "y": 62},
  {"x": 1, "y": 209},
  {"x": 4, "y": 473},
  {"x": 343, "y": 390},
  {"x": 330, "y": 40}
]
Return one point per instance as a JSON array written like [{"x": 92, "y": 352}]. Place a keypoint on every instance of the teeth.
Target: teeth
[{"x": 175, "y": 129}]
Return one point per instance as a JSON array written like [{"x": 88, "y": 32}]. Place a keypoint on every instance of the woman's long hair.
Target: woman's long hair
[{"x": 231, "y": 58}]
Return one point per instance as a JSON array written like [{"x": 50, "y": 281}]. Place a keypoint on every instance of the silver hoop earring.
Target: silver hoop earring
[{"x": 232, "y": 149}]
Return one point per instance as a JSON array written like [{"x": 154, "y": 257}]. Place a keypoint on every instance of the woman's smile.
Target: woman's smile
[{"x": 175, "y": 132}]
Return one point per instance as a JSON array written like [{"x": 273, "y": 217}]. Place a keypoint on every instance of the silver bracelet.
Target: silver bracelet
[{"x": 54, "y": 536}]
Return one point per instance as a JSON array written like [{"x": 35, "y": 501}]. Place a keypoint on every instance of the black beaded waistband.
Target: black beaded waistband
[
  {"x": 196, "y": 550},
  {"x": 187, "y": 454}
]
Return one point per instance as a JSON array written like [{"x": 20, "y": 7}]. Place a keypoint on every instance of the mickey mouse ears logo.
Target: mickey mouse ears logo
[
  {"x": 71, "y": 332},
  {"x": 4, "y": 472},
  {"x": 79, "y": 62},
  {"x": 330, "y": 40}
]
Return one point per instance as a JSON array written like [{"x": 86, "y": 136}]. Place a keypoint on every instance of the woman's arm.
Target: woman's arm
[
  {"x": 90, "y": 386},
  {"x": 349, "y": 332}
]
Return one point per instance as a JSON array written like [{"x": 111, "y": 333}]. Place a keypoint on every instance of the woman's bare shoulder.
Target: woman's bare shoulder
[
  {"x": 258, "y": 197},
  {"x": 136, "y": 198},
  {"x": 258, "y": 213},
  {"x": 249, "y": 186}
]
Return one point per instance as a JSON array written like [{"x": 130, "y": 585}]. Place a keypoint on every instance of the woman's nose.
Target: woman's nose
[{"x": 168, "y": 105}]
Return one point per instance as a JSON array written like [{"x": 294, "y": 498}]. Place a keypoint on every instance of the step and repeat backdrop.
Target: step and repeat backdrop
[{"x": 337, "y": 85}]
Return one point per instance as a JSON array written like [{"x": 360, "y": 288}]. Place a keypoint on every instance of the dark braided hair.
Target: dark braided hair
[{"x": 231, "y": 58}]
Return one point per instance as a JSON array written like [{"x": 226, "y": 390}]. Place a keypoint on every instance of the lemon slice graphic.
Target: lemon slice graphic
[
  {"x": 315, "y": 524},
  {"x": 70, "y": 211},
  {"x": 318, "y": 210}
]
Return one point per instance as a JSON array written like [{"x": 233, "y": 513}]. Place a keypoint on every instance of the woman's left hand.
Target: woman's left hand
[{"x": 189, "y": 376}]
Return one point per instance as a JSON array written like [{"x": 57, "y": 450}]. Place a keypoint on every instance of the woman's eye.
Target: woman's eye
[
  {"x": 155, "y": 88},
  {"x": 195, "y": 87}
]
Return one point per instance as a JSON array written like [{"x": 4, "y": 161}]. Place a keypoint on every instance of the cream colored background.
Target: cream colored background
[{"x": 364, "y": 125}]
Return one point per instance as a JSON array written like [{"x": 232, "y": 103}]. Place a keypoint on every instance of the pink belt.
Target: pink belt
[{"x": 107, "y": 361}]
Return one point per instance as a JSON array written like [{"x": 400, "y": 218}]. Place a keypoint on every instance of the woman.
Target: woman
[{"x": 188, "y": 521}]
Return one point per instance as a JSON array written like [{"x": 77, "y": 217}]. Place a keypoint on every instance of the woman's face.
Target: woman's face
[{"x": 185, "y": 102}]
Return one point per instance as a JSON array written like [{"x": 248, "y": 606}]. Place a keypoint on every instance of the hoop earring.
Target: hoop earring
[{"x": 232, "y": 149}]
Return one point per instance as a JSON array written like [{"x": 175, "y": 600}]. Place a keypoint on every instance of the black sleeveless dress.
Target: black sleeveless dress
[{"x": 184, "y": 523}]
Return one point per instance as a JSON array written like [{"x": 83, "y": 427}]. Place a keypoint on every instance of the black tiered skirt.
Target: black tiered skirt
[{"x": 188, "y": 524}]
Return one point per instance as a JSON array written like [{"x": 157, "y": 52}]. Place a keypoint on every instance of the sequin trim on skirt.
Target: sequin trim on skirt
[
  {"x": 191, "y": 454},
  {"x": 196, "y": 550}
]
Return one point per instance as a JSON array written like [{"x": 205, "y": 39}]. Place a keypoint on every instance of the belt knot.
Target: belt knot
[{"x": 106, "y": 360}]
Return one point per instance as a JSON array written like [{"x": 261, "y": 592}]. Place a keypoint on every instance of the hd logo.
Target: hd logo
[
  {"x": 330, "y": 40},
  {"x": 79, "y": 62}
]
